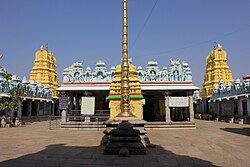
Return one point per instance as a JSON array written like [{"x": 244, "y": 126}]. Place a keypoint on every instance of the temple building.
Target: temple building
[
  {"x": 35, "y": 99},
  {"x": 216, "y": 70},
  {"x": 230, "y": 102},
  {"x": 163, "y": 95},
  {"x": 44, "y": 70}
]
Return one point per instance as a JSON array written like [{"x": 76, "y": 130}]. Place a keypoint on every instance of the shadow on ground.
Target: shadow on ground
[
  {"x": 60, "y": 155},
  {"x": 241, "y": 131}
]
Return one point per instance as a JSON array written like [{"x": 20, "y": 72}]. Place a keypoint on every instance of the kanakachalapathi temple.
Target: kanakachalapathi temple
[{"x": 157, "y": 94}]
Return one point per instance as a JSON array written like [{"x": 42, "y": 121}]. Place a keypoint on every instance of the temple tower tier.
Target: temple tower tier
[
  {"x": 44, "y": 70},
  {"x": 216, "y": 70}
]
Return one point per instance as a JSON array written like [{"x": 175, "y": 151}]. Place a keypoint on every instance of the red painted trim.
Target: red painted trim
[
  {"x": 100, "y": 83},
  {"x": 168, "y": 82},
  {"x": 85, "y": 83},
  {"x": 120, "y": 94},
  {"x": 246, "y": 77}
]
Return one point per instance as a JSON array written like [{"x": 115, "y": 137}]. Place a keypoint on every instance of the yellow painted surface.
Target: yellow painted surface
[
  {"x": 216, "y": 70},
  {"x": 135, "y": 108},
  {"x": 44, "y": 70},
  {"x": 135, "y": 89}
]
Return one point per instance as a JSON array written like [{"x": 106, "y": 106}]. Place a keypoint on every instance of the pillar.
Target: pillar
[
  {"x": 53, "y": 108},
  {"x": 240, "y": 108},
  {"x": 38, "y": 108},
  {"x": 71, "y": 99},
  {"x": 77, "y": 102},
  {"x": 168, "y": 119},
  {"x": 19, "y": 112},
  {"x": 44, "y": 108},
  {"x": 64, "y": 116},
  {"x": 191, "y": 109},
  {"x": 248, "y": 105},
  {"x": 29, "y": 108}
]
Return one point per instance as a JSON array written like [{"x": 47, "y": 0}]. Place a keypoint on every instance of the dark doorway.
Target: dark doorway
[
  {"x": 154, "y": 109},
  {"x": 179, "y": 114}
]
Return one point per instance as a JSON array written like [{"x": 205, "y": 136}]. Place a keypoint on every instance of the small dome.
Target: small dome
[
  {"x": 164, "y": 68},
  {"x": 184, "y": 63},
  {"x": 139, "y": 67},
  {"x": 100, "y": 63},
  {"x": 152, "y": 63},
  {"x": 88, "y": 68}
]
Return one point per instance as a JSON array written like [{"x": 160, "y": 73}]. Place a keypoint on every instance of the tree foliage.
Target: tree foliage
[{"x": 11, "y": 103}]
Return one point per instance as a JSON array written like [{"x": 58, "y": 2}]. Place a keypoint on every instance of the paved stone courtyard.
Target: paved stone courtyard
[{"x": 210, "y": 144}]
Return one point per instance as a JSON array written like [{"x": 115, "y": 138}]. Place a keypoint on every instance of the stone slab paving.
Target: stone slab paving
[{"x": 210, "y": 144}]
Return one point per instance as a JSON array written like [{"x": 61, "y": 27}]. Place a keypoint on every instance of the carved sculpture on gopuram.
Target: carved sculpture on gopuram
[
  {"x": 100, "y": 71},
  {"x": 231, "y": 89},
  {"x": 177, "y": 72},
  {"x": 29, "y": 88}
]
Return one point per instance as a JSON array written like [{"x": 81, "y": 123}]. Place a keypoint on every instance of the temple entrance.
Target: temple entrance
[
  {"x": 101, "y": 102},
  {"x": 154, "y": 108},
  {"x": 179, "y": 114}
]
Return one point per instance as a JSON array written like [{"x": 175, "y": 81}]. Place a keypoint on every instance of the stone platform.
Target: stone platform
[{"x": 136, "y": 123}]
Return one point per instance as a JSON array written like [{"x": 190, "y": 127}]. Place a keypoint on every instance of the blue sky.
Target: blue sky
[{"x": 90, "y": 30}]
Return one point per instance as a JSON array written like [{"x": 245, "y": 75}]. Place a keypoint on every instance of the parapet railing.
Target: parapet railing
[{"x": 56, "y": 121}]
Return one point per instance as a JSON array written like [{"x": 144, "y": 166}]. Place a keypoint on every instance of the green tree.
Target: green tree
[{"x": 12, "y": 103}]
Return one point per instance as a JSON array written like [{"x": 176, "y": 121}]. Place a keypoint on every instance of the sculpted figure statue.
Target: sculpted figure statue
[
  {"x": 237, "y": 84},
  {"x": 175, "y": 76},
  {"x": 152, "y": 75},
  {"x": 221, "y": 86},
  {"x": 215, "y": 89},
  {"x": 164, "y": 74},
  {"x": 99, "y": 76},
  {"x": 140, "y": 76},
  {"x": 229, "y": 87},
  {"x": 76, "y": 76}
]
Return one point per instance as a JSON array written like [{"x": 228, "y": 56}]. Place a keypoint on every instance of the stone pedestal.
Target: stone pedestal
[
  {"x": 124, "y": 140},
  {"x": 64, "y": 116},
  {"x": 168, "y": 119},
  {"x": 137, "y": 124},
  {"x": 86, "y": 119},
  {"x": 191, "y": 109}
]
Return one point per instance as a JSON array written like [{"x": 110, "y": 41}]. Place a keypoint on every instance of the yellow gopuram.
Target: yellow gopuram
[
  {"x": 44, "y": 70},
  {"x": 135, "y": 93},
  {"x": 216, "y": 70}
]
